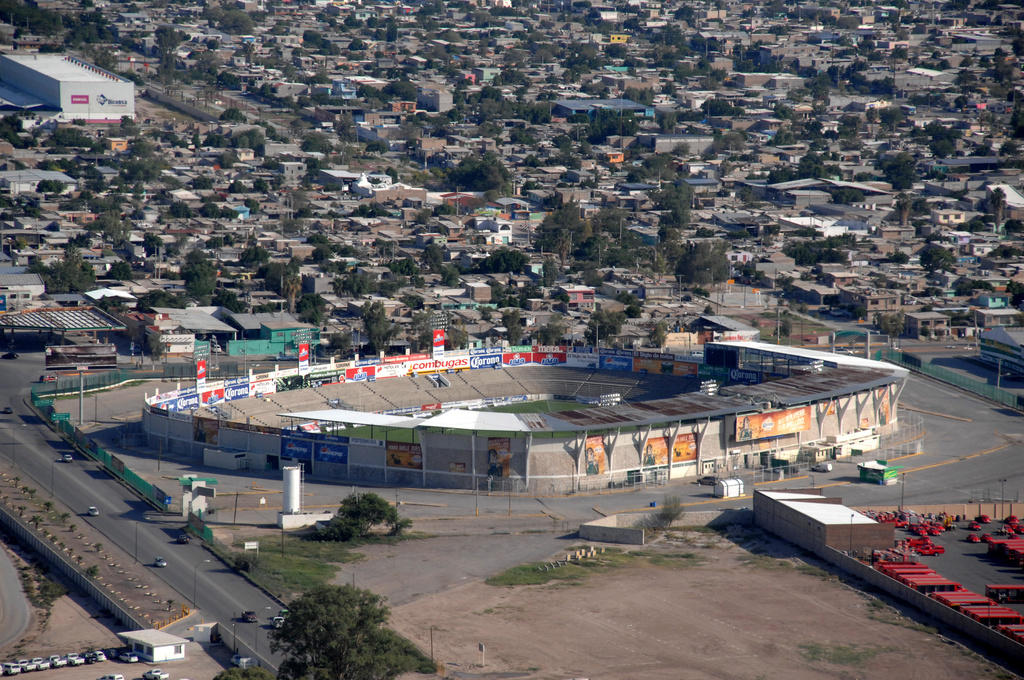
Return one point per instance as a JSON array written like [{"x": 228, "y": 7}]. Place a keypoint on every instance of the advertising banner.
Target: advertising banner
[
  {"x": 200, "y": 374},
  {"x": 186, "y": 400},
  {"x": 739, "y": 375},
  {"x": 449, "y": 363},
  {"x": 259, "y": 388},
  {"x": 557, "y": 349},
  {"x": 516, "y": 358},
  {"x": 686, "y": 368},
  {"x": 438, "y": 343},
  {"x": 656, "y": 451},
  {"x": 360, "y": 374},
  {"x": 321, "y": 379},
  {"x": 580, "y": 360},
  {"x": 488, "y": 360},
  {"x": 402, "y": 358},
  {"x": 774, "y": 424},
  {"x": 403, "y": 455},
  {"x": 303, "y": 358},
  {"x": 392, "y": 371},
  {"x": 882, "y": 396},
  {"x": 616, "y": 363},
  {"x": 549, "y": 358},
  {"x": 236, "y": 388},
  {"x": 653, "y": 366},
  {"x": 594, "y": 459},
  {"x": 499, "y": 457},
  {"x": 206, "y": 430},
  {"x": 214, "y": 396},
  {"x": 330, "y": 449},
  {"x": 436, "y": 406},
  {"x": 80, "y": 357},
  {"x": 296, "y": 445}
]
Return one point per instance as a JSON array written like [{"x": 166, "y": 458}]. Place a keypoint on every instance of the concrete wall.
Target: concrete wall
[{"x": 626, "y": 528}]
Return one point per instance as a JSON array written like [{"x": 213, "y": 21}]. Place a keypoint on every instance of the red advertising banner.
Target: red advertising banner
[
  {"x": 360, "y": 373},
  {"x": 438, "y": 342},
  {"x": 549, "y": 358},
  {"x": 303, "y": 358},
  {"x": 436, "y": 406},
  {"x": 200, "y": 374},
  {"x": 402, "y": 358},
  {"x": 212, "y": 396},
  {"x": 433, "y": 365},
  {"x": 516, "y": 358}
]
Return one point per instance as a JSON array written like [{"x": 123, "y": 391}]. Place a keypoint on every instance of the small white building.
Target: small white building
[{"x": 154, "y": 646}]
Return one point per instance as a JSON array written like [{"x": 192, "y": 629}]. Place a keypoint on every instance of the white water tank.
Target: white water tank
[{"x": 292, "y": 489}]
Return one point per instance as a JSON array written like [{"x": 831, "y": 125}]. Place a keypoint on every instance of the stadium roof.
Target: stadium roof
[
  {"x": 808, "y": 387},
  {"x": 62, "y": 67},
  {"x": 459, "y": 419},
  {"x": 810, "y": 355},
  {"x": 347, "y": 417},
  {"x": 82, "y": 319}
]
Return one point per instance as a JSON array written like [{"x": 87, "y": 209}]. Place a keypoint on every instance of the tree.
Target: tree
[
  {"x": 891, "y": 324},
  {"x": 379, "y": 328},
  {"x": 899, "y": 170},
  {"x": 658, "y": 334},
  {"x": 199, "y": 273},
  {"x": 512, "y": 321},
  {"x": 250, "y": 673},
  {"x": 997, "y": 204},
  {"x": 121, "y": 271},
  {"x": 934, "y": 258},
  {"x": 903, "y": 206},
  {"x": 551, "y": 333},
  {"x": 50, "y": 186},
  {"x": 358, "y": 515},
  {"x": 479, "y": 173},
  {"x": 72, "y": 274},
  {"x": 604, "y": 324},
  {"x": 702, "y": 263},
  {"x": 338, "y": 632}
]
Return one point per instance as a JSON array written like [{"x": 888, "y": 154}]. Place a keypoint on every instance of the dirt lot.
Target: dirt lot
[{"x": 695, "y": 605}]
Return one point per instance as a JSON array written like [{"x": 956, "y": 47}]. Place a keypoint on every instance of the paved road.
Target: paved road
[{"x": 14, "y": 609}]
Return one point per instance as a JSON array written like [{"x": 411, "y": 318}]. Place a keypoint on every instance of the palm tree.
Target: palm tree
[
  {"x": 903, "y": 206},
  {"x": 98, "y": 546},
  {"x": 997, "y": 205},
  {"x": 35, "y": 520},
  {"x": 290, "y": 288}
]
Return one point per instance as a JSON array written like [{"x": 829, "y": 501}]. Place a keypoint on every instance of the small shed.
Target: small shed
[
  {"x": 729, "y": 488},
  {"x": 154, "y": 646},
  {"x": 878, "y": 472}
]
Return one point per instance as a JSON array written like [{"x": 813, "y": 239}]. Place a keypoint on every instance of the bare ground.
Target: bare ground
[{"x": 724, "y": 613}]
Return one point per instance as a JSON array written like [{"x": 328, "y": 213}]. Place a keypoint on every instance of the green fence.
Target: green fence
[
  {"x": 979, "y": 387},
  {"x": 69, "y": 383}
]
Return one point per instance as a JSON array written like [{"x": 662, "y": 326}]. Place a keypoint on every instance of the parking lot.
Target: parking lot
[
  {"x": 197, "y": 665},
  {"x": 969, "y": 563}
]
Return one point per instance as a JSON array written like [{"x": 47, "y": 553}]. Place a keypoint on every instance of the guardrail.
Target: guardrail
[{"x": 979, "y": 387}]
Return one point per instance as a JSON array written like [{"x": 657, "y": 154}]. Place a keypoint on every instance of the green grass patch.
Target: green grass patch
[
  {"x": 573, "y": 573},
  {"x": 300, "y": 566},
  {"x": 840, "y": 655},
  {"x": 883, "y": 613}
]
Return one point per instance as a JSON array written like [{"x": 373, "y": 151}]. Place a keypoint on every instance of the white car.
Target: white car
[
  {"x": 111, "y": 676},
  {"x": 93, "y": 511},
  {"x": 156, "y": 674},
  {"x": 824, "y": 466},
  {"x": 58, "y": 661},
  {"x": 128, "y": 657},
  {"x": 74, "y": 659},
  {"x": 40, "y": 663},
  {"x": 159, "y": 562},
  {"x": 11, "y": 668}
]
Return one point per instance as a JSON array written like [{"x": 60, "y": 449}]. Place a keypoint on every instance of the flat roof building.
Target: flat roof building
[{"x": 65, "y": 88}]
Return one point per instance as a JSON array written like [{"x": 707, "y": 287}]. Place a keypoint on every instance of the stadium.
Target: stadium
[{"x": 535, "y": 419}]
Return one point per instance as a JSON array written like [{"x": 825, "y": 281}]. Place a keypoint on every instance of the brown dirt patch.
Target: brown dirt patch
[{"x": 734, "y": 614}]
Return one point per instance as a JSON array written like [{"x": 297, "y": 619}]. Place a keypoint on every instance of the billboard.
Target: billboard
[
  {"x": 774, "y": 424},
  {"x": 613, "y": 363},
  {"x": 594, "y": 458},
  {"x": 296, "y": 445},
  {"x": 549, "y": 358},
  {"x": 214, "y": 396},
  {"x": 259, "y": 388},
  {"x": 303, "y": 358},
  {"x": 392, "y": 370},
  {"x": 488, "y": 360},
  {"x": 206, "y": 430},
  {"x": 200, "y": 374},
  {"x": 438, "y": 343},
  {"x": 360, "y": 374},
  {"x": 330, "y": 449},
  {"x": 403, "y": 455},
  {"x": 499, "y": 457},
  {"x": 516, "y": 358},
  {"x": 882, "y": 397},
  {"x": 656, "y": 451},
  {"x": 80, "y": 357},
  {"x": 449, "y": 363},
  {"x": 236, "y": 388}
]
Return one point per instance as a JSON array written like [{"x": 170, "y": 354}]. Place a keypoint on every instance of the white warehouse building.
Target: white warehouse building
[{"x": 64, "y": 88}]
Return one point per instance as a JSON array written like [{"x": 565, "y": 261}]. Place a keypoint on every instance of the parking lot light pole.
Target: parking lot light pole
[{"x": 1002, "y": 495}]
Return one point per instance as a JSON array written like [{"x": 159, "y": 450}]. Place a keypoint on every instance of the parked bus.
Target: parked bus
[{"x": 1005, "y": 593}]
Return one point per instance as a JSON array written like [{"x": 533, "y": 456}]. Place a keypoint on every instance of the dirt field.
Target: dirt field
[{"x": 695, "y": 606}]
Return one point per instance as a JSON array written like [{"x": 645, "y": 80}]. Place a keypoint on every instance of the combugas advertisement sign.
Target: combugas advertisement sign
[{"x": 774, "y": 424}]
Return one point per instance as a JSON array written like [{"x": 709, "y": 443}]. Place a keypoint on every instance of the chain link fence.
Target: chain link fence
[{"x": 979, "y": 387}]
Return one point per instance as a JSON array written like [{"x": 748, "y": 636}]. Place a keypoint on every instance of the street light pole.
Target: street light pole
[
  {"x": 1002, "y": 495},
  {"x": 851, "y": 534},
  {"x": 903, "y": 489}
]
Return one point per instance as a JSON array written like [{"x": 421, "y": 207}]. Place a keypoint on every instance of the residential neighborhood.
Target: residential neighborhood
[{"x": 514, "y": 172}]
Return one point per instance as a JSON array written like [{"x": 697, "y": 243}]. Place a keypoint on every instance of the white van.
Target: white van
[{"x": 11, "y": 668}]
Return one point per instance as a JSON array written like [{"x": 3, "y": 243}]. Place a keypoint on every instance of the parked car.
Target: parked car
[
  {"x": 183, "y": 538},
  {"x": 111, "y": 676},
  {"x": 156, "y": 674},
  {"x": 58, "y": 661},
  {"x": 74, "y": 659},
  {"x": 95, "y": 656},
  {"x": 10, "y": 355},
  {"x": 973, "y": 538},
  {"x": 159, "y": 562},
  {"x": 277, "y": 621},
  {"x": 8, "y": 410},
  {"x": 241, "y": 661},
  {"x": 26, "y": 665},
  {"x": 93, "y": 511},
  {"x": 707, "y": 480},
  {"x": 249, "y": 616},
  {"x": 67, "y": 458},
  {"x": 823, "y": 466},
  {"x": 128, "y": 657},
  {"x": 40, "y": 663},
  {"x": 11, "y": 669}
]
